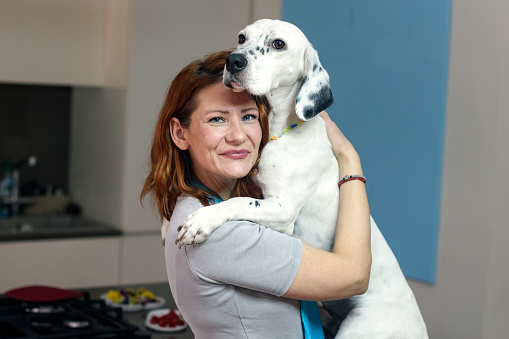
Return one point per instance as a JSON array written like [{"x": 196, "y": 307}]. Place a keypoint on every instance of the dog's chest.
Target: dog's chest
[{"x": 301, "y": 168}]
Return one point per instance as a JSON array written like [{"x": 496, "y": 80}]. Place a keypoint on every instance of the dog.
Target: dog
[{"x": 299, "y": 177}]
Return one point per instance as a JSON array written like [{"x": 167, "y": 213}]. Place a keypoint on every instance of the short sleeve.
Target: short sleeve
[{"x": 248, "y": 255}]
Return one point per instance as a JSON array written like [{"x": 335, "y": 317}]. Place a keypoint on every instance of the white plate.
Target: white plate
[
  {"x": 160, "y": 301},
  {"x": 160, "y": 313}
]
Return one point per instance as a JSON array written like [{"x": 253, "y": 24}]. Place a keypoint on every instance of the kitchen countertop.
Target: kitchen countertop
[
  {"x": 138, "y": 318},
  {"x": 52, "y": 227}
]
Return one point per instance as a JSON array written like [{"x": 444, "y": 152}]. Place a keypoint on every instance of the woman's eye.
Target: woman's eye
[
  {"x": 216, "y": 120},
  {"x": 250, "y": 117},
  {"x": 278, "y": 44},
  {"x": 242, "y": 39}
]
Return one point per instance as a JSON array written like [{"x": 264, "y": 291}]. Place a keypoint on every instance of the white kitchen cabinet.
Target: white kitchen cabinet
[
  {"x": 135, "y": 258},
  {"x": 142, "y": 259},
  {"x": 66, "y": 263},
  {"x": 61, "y": 42}
]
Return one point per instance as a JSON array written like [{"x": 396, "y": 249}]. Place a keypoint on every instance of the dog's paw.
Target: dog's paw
[{"x": 197, "y": 227}]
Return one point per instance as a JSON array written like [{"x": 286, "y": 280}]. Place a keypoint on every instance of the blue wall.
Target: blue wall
[{"x": 388, "y": 62}]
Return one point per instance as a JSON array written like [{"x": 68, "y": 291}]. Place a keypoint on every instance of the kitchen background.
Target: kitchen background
[{"x": 110, "y": 63}]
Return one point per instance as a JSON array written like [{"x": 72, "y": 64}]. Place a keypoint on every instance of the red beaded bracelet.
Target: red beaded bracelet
[{"x": 351, "y": 177}]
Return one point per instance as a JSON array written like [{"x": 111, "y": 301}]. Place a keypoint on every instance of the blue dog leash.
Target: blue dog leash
[{"x": 311, "y": 322}]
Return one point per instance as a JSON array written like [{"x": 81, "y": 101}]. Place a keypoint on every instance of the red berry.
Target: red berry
[
  {"x": 163, "y": 322},
  {"x": 173, "y": 322}
]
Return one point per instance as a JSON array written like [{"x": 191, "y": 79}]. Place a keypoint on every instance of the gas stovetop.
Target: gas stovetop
[{"x": 70, "y": 318}]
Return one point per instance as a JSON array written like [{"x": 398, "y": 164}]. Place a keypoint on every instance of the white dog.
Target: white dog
[{"x": 299, "y": 176}]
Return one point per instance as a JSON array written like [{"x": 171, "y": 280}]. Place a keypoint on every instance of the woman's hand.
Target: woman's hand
[{"x": 348, "y": 158}]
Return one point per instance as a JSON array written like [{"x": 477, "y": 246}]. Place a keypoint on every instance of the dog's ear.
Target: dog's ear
[{"x": 315, "y": 93}]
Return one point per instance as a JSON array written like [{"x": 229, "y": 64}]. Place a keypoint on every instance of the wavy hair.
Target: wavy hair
[{"x": 170, "y": 167}]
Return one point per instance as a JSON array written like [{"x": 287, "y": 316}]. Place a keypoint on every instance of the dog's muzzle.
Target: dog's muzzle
[{"x": 235, "y": 63}]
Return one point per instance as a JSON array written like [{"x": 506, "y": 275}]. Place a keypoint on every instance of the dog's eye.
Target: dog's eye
[
  {"x": 278, "y": 44},
  {"x": 242, "y": 39}
]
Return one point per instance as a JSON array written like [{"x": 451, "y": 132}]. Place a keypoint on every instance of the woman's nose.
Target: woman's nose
[{"x": 236, "y": 132}]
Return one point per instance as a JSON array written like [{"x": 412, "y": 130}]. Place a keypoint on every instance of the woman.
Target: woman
[{"x": 245, "y": 280}]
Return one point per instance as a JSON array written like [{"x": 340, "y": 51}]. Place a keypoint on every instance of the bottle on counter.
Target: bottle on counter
[{"x": 5, "y": 188}]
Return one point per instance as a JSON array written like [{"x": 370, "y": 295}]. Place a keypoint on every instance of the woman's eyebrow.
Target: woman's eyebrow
[
  {"x": 217, "y": 111},
  {"x": 227, "y": 112},
  {"x": 249, "y": 109}
]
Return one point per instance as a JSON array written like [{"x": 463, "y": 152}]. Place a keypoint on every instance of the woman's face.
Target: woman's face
[{"x": 223, "y": 137}]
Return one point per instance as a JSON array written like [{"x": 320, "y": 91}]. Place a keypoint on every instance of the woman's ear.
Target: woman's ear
[{"x": 178, "y": 134}]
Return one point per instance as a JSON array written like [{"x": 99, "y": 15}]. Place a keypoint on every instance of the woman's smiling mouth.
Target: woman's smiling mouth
[{"x": 236, "y": 154}]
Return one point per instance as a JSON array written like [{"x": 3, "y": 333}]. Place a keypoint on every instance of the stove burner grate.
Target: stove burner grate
[{"x": 64, "y": 319}]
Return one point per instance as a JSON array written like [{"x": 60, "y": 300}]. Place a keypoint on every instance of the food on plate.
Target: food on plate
[
  {"x": 131, "y": 297},
  {"x": 171, "y": 319}
]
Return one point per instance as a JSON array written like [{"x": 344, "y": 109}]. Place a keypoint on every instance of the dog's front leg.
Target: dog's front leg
[{"x": 273, "y": 212}]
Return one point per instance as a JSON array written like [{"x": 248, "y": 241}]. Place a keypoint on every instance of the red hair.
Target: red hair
[{"x": 170, "y": 168}]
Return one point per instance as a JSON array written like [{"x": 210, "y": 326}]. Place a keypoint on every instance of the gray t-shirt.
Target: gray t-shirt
[{"x": 230, "y": 285}]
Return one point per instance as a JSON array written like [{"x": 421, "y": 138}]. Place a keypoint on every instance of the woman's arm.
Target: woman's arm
[{"x": 344, "y": 272}]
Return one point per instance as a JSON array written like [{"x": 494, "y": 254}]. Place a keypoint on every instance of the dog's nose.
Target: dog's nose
[{"x": 235, "y": 63}]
